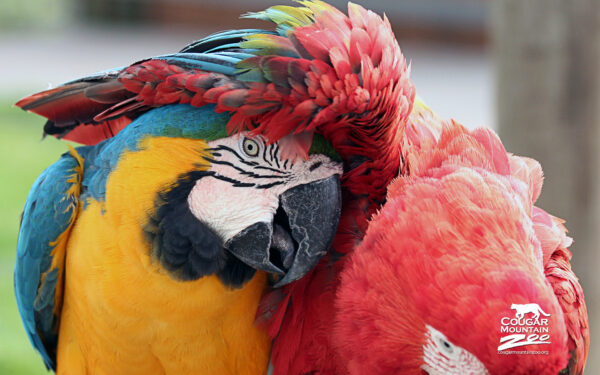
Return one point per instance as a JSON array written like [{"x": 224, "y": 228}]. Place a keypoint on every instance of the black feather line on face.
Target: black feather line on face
[
  {"x": 264, "y": 155},
  {"x": 186, "y": 247},
  {"x": 241, "y": 159},
  {"x": 252, "y": 164},
  {"x": 245, "y": 172},
  {"x": 275, "y": 153}
]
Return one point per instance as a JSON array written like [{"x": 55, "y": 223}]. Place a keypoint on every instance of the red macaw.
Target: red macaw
[
  {"x": 302, "y": 325},
  {"x": 457, "y": 247}
]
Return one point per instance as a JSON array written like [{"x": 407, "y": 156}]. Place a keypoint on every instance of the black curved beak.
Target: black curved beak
[{"x": 300, "y": 234}]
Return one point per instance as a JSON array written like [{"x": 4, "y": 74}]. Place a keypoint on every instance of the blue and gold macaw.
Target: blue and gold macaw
[
  {"x": 139, "y": 255},
  {"x": 147, "y": 250}
]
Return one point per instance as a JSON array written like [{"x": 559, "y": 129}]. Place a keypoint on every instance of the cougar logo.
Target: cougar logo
[
  {"x": 522, "y": 331},
  {"x": 533, "y": 308}
]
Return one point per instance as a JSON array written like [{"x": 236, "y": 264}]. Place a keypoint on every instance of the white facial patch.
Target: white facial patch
[
  {"x": 247, "y": 176},
  {"x": 441, "y": 357}
]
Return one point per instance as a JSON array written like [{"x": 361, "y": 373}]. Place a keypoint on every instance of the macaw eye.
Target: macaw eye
[
  {"x": 250, "y": 147},
  {"x": 445, "y": 345}
]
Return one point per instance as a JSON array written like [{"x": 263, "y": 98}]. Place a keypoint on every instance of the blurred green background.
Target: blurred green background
[{"x": 466, "y": 67}]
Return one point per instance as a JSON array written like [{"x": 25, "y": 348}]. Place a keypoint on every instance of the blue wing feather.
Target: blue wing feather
[{"x": 49, "y": 212}]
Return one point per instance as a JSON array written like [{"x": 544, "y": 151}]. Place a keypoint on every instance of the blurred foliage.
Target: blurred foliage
[
  {"x": 32, "y": 14},
  {"x": 116, "y": 11},
  {"x": 24, "y": 156}
]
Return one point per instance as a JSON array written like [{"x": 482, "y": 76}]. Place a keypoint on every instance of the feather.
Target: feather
[
  {"x": 93, "y": 134},
  {"x": 268, "y": 44},
  {"x": 69, "y": 105},
  {"x": 41, "y": 251},
  {"x": 223, "y": 40}
]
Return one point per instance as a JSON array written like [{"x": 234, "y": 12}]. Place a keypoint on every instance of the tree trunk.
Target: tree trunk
[{"x": 548, "y": 95}]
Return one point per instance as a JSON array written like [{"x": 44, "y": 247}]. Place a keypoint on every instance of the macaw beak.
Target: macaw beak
[{"x": 300, "y": 234}]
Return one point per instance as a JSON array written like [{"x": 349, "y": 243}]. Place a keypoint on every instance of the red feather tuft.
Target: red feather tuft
[
  {"x": 66, "y": 106},
  {"x": 93, "y": 134}
]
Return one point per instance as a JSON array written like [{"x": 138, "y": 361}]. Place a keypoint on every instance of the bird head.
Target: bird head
[
  {"x": 435, "y": 286},
  {"x": 212, "y": 203}
]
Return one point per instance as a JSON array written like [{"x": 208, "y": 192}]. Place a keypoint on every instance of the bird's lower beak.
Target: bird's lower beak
[{"x": 300, "y": 234}]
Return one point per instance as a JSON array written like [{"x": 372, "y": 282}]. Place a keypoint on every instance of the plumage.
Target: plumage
[{"x": 459, "y": 241}]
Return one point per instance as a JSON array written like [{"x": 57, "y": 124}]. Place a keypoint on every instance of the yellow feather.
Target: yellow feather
[{"x": 316, "y": 6}]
